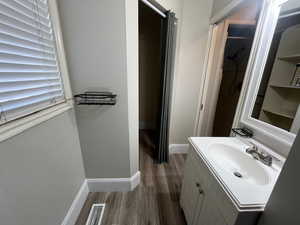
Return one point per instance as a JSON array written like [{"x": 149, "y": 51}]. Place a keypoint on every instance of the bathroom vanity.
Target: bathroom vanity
[{"x": 224, "y": 185}]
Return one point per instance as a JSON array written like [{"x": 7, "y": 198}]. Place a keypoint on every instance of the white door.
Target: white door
[{"x": 213, "y": 80}]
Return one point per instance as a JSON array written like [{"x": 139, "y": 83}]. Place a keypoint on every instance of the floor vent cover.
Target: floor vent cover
[{"x": 96, "y": 214}]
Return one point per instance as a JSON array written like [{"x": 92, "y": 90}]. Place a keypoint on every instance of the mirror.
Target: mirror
[{"x": 278, "y": 98}]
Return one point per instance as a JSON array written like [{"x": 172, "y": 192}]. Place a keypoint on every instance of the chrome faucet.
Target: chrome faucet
[
  {"x": 253, "y": 150},
  {"x": 263, "y": 157}
]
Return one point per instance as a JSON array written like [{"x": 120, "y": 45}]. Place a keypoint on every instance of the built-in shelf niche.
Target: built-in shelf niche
[
  {"x": 278, "y": 119},
  {"x": 285, "y": 86},
  {"x": 277, "y": 113},
  {"x": 291, "y": 58},
  {"x": 281, "y": 101}
]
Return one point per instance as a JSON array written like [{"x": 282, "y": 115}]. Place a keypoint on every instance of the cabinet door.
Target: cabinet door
[
  {"x": 190, "y": 196},
  {"x": 208, "y": 213}
]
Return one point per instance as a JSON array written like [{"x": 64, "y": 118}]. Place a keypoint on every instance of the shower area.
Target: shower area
[{"x": 236, "y": 56}]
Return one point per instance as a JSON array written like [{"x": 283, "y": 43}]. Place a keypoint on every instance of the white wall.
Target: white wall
[
  {"x": 283, "y": 205},
  {"x": 101, "y": 45},
  {"x": 291, "y": 5},
  {"x": 132, "y": 35},
  {"x": 193, "y": 44},
  {"x": 41, "y": 172},
  {"x": 218, "y": 5},
  {"x": 192, "y": 34},
  {"x": 98, "y": 60}
]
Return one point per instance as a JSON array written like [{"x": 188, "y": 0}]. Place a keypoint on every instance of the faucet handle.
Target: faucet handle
[
  {"x": 249, "y": 149},
  {"x": 252, "y": 147},
  {"x": 264, "y": 154},
  {"x": 268, "y": 160}
]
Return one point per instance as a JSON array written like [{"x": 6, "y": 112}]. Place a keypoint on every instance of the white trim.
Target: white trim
[
  {"x": 277, "y": 139},
  {"x": 154, "y": 8},
  {"x": 252, "y": 57},
  {"x": 53, "y": 10},
  {"x": 18, "y": 126},
  {"x": 77, "y": 204},
  {"x": 98, "y": 185},
  {"x": 114, "y": 184},
  {"x": 233, "y": 5},
  {"x": 135, "y": 180},
  {"x": 201, "y": 120},
  {"x": 178, "y": 148},
  {"x": 213, "y": 77},
  {"x": 204, "y": 76}
]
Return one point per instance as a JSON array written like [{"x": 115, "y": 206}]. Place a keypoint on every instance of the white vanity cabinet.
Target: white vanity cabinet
[
  {"x": 207, "y": 213},
  {"x": 205, "y": 202},
  {"x": 191, "y": 196}
]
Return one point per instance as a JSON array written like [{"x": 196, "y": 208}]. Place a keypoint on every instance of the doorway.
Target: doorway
[
  {"x": 236, "y": 56},
  {"x": 231, "y": 45},
  {"x": 156, "y": 63},
  {"x": 150, "y": 32}
]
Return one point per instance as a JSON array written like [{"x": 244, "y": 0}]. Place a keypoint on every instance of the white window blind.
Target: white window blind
[{"x": 30, "y": 78}]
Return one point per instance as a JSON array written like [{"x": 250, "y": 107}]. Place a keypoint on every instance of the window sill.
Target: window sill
[{"x": 18, "y": 126}]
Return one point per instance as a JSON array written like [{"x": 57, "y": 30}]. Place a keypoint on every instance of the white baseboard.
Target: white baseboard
[
  {"x": 77, "y": 204},
  {"x": 135, "y": 180},
  {"x": 178, "y": 148},
  {"x": 113, "y": 184},
  {"x": 98, "y": 185}
]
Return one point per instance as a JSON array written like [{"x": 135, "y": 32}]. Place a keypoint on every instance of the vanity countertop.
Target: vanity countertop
[{"x": 247, "y": 181}]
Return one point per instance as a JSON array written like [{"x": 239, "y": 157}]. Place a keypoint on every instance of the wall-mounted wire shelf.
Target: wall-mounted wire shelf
[
  {"x": 96, "y": 98},
  {"x": 243, "y": 132}
]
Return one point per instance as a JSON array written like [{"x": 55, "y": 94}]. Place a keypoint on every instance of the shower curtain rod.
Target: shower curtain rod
[{"x": 154, "y": 8}]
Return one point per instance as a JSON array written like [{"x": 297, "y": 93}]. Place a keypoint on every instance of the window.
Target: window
[{"x": 30, "y": 74}]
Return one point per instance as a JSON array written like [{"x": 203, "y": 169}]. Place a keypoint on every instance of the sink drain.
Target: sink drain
[{"x": 237, "y": 174}]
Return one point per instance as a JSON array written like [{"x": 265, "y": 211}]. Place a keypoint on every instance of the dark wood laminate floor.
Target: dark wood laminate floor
[{"x": 154, "y": 202}]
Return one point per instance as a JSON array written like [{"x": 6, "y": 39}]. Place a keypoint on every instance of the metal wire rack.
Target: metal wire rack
[{"x": 96, "y": 98}]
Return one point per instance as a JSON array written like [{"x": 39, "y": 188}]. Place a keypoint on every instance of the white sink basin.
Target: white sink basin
[
  {"x": 248, "y": 181},
  {"x": 239, "y": 164}
]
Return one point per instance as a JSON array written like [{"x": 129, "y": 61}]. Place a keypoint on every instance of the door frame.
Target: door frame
[
  {"x": 212, "y": 81},
  {"x": 168, "y": 58},
  {"x": 200, "y": 128},
  {"x": 204, "y": 121},
  {"x": 161, "y": 12}
]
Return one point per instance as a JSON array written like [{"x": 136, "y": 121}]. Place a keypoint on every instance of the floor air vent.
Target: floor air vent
[{"x": 96, "y": 214}]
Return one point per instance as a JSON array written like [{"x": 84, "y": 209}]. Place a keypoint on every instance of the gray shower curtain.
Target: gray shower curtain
[{"x": 169, "y": 45}]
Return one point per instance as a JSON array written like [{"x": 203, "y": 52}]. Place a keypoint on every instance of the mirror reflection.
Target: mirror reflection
[{"x": 278, "y": 98}]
